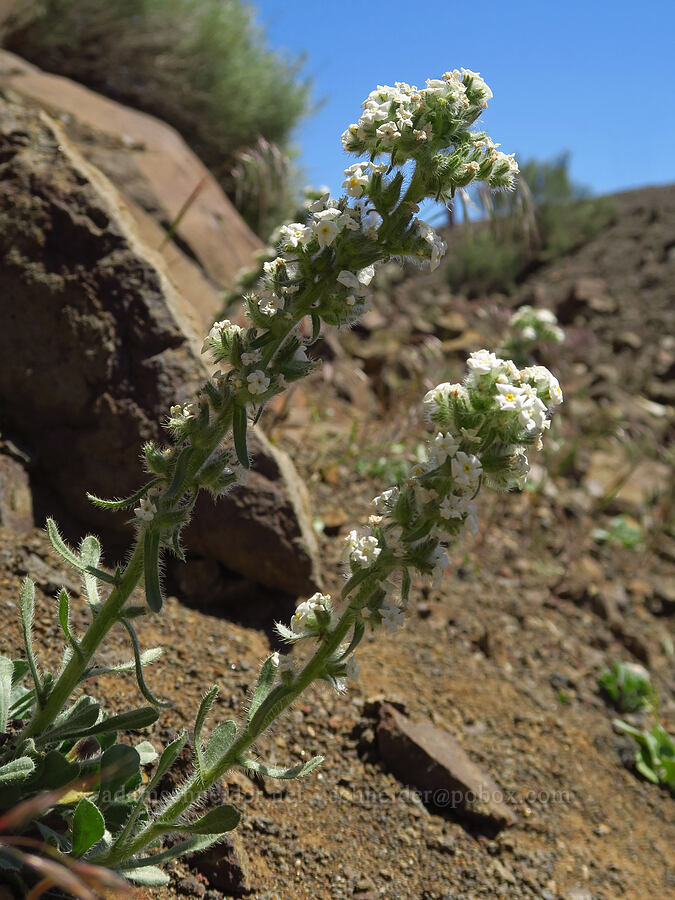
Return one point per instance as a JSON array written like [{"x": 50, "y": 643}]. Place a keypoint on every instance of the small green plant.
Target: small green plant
[
  {"x": 628, "y": 686},
  {"x": 622, "y": 530},
  {"x": 55, "y": 735},
  {"x": 655, "y": 754},
  {"x": 630, "y": 689}
]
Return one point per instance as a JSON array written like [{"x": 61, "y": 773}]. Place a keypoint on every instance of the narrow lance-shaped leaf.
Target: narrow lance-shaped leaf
[
  {"x": 140, "y": 660},
  {"x": 64, "y": 619},
  {"x": 192, "y": 845},
  {"x": 150, "y": 876},
  {"x": 147, "y": 657},
  {"x": 298, "y": 771},
  {"x": 6, "y": 672},
  {"x": 179, "y": 473},
  {"x": 127, "y": 501},
  {"x": 128, "y": 721},
  {"x": 239, "y": 425},
  {"x": 90, "y": 552},
  {"x": 153, "y": 591},
  {"x": 216, "y": 821},
  {"x": 219, "y": 742},
  {"x": 270, "y": 708},
  {"x": 88, "y": 826},
  {"x": 359, "y": 629},
  {"x": 27, "y": 613},
  {"x": 268, "y": 673},
  {"x": 72, "y": 722},
  {"x": 204, "y": 707}
]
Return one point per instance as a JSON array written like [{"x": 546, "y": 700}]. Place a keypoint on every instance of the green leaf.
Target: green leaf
[
  {"x": 61, "y": 547},
  {"x": 147, "y": 752},
  {"x": 153, "y": 591},
  {"x": 298, "y": 771},
  {"x": 149, "y": 876},
  {"x": 16, "y": 770},
  {"x": 128, "y": 501},
  {"x": 6, "y": 672},
  {"x": 357, "y": 636},
  {"x": 90, "y": 552},
  {"x": 88, "y": 827},
  {"x": 53, "y": 771},
  {"x": 203, "y": 711},
  {"x": 180, "y": 471},
  {"x": 64, "y": 619},
  {"x": 239, "y": 425},
  {"x": 219, "y": 742},
  {"x": 73, "y": 722},
  {"x": 192, "y": 845},
  {"x": 118, "y": 765},
  {"x": 270, "y": 708},
  {"x": 140, "y": 660},
  {"x": 215, "y": 821},
  {"x": 268, "y": 674},
  {"x": 27, "y": 613},
  {"x": 19, "y": 670},
  {"x": 316, "y": 327},
  {"x": 146, "y": 658}
]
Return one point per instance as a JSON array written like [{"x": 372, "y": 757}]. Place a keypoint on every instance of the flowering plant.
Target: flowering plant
[{"x": 419, "y": 145}]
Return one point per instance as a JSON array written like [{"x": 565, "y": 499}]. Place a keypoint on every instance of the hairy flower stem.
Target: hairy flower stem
[
  {"x": 190, "y": 792},
  {"x": 104, "y": 619}
]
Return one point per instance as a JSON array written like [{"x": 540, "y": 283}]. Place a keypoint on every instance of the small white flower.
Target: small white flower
[
  {"x": 326, "y": 230},
  {"x": 146, "y": 510},
  {"x": 294, "y": 234},
  {"x": 356, "y": 181},
  {"x": 362, "y": 550},
  {"x": 304, "y": 622},
  {"x": 269, "y": 304},
  {"x": 392, "y": 616},
  {"x": 252, "y": 356},
  {"x": 258, "y": 382},
  {"x": 378, "y": 168},
  {"x": 444, "y": 445},
  {"x": 452, "y": 507},
  {"x": 482, "y": 362},
  {"x": 466, "y": 469},
  {"x": 386, "y": 499},
  {"x": 388, "y": 134}
]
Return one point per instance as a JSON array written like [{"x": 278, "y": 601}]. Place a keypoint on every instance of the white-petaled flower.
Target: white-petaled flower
[
  {"x": 326, "y": 230},
  {"x": 508, "y": 396},
  {"x": 452, "y": 507},
  {"x": 250, "y": 357},
  {"x": 146, "y": 510},
  {"x": 269, "y": 304},
  {"x": 392, "y": 616},
  {"x": 294, "y": 234},
  {"x": 215, "y": 335},
  {"x": 378, "y": 168},
  {"x": 356, "y": 181},
  {"x": 440, "y": 562},
  {"x": 466, "y": 469},
  {"x": 386, "y": 499},
  {"x": 444, "y": 445},
  {"x": 366, "y": 275},
  {"x": 440, "y": 393},
  {"x": 274, "y": 267},
  {"x": 388, "y": 134},
  {"x": 352, "y": 668},
  {"x": 304, "y": 620},
  {"x": 258, "y": 382},
  {"x": 482, "y": 362},
  {"x": 363, "y": 550}
]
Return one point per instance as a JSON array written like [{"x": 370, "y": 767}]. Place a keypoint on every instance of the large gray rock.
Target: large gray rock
[{"x": 96, "y": 345}]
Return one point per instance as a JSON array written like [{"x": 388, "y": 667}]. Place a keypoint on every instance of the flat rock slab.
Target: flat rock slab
[
  {"x": 425, "y": 756},
  {"x": 156, "y": 173},
  {"x": 96, "y": 345}
]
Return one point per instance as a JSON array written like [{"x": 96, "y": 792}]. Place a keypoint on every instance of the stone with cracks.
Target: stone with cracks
[{"x": 97, "y": 345}]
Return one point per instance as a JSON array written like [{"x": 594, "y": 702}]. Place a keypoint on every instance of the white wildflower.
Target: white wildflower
[
  {"x": 146, "y": 510},
  {"x": 258, "y": 382},
  {"x": 392, "y": 616}
]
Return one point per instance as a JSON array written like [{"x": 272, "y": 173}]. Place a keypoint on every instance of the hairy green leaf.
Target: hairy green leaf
[
  {"x": 88, "y": 827},
  {"x": 64, "y": 619},
  {"x": 6, "y": 672},
  {"x": 149, "y": 876},
  {"x": 27, "y": 613},
  {"x": 219, "y": 742},
  {"x": 119, "y": 764},
  {"x": 215, "y": 821},
  {"x": 140, "y": 660},
  {"x": 16, "y": 770},
  {"x": 268, "y": 674},
  {"x": 203, "y": 711},
  {"x": 72, "y": 722},
  {"x": 298, "y": 771},
  {"x": 127, "y": 501},
  {"x": 153, "y": 590},
  {"x": 239, "y": 425}
]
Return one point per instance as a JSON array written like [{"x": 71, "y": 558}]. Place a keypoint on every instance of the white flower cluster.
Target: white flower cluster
[
  {"x": 363, "y": 550},
  {"x": 403, "y": 120},
  {"x": 304, "y": 622},
  {"x": 529, "y": 326}
]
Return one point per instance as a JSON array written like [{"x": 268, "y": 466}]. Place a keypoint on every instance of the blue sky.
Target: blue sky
[{"x": 594, "y": 78}]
